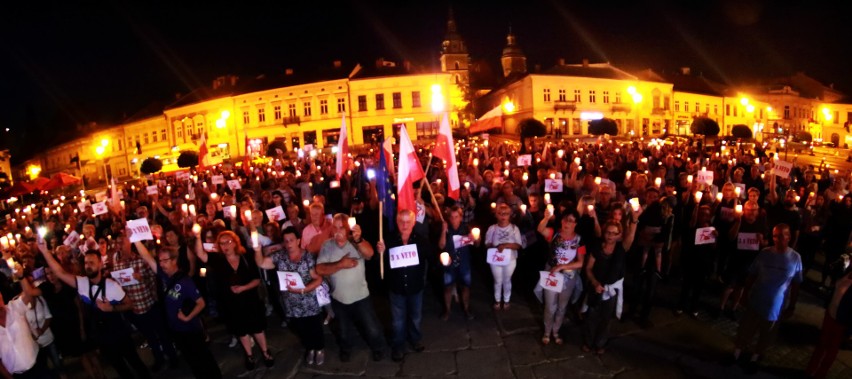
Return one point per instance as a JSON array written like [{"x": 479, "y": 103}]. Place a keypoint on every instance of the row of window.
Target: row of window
[
  {"x": 396, "y": 98},
  {"x": 307, "y": 109},
  {"x": 152, "y": 137},
  {"x": 562, "y": 95},
  {"x": 697, "y": 107}
]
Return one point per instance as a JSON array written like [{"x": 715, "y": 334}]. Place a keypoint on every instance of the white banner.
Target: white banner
[
  {"x": 524, "y": 160},
  {"x": 782, "y": 168},
  {"x": 403, "y": 256},
  {"x": 552, "y": 185},
  {"x": 229, "y": 211},
  {"x": 705, "y": 177},
  {"x": 140, "y": 231},
  {"x": 151, "y": 190},
  {"x": 498, "y": 258},
  {"x": 234, "y": 185},
  {"x": 71, "y": 239},
  {"x": 218, "y": 179},
  {"x": 461, "y": 241},
  {"x": 748, "y": 241},
  {"x": 124, "y": 277},
  {"x": 99, "y": 208}
]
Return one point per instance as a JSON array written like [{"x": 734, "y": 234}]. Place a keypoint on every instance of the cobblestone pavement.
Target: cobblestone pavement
[{"x": 506, "y": 344}]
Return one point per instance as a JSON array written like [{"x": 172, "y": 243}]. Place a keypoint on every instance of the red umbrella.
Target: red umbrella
[
  {"x": 21, "y": 188},
  {"x": 61, "y": 180},
  {"x": 39, "y": 183}
]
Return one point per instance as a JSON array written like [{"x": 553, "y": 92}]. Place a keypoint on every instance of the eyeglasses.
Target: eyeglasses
[
  {"x": 612, "y": 233},
  {"x": 226, "y": 242},
  {"x": 165, "y": 260}
]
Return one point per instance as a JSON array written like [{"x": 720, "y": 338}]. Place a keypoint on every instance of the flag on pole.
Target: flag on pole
[
  {"x": 342, "y": 149},
  {"x": 491, "y": 119},
  {"x": 384, "y": 186},
  {"x": 203, "y": 160},
  {"x": 445, "y": 149},
  {"x": 409, "y": 172},
  {"x": 387, "y": 146}
]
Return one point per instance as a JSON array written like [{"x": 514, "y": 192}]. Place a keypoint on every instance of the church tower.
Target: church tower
[
  {"x": 513, "y": 60},
  {"x": 454, "y": 57}
]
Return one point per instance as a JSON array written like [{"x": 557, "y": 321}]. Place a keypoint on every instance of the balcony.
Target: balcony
[
  {"x": 659, "y": 111},
  {"x": 565, "y": 106},
  {"x": 621, "y": 107},
  {"x": 291, "y": 120}
]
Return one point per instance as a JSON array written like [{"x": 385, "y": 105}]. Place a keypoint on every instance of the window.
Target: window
[
  {"x": 380, "y": 101},
  {"x": 261, "y": 115},
  {"x": 415, "y": 99},
  {"x": 153, "y": 138},
  {"x": 246, "y": 118},
  {"x": 727, "y": 109},
  {"x": 145, "y": 138},
  {"x": 577, "y": 95},
  {"x": 397, "y": 100},
  {"x": 592, "y": 97},
  {"x": 277, "y": 112},
  {"x": 716, "y": 108},
  {"x": 341, "y": 105},
  {"x": 427, "y": 129},
  {"x": 323, "y": 106},
  {"x": 129, "y": 141},
  {"x": 666, "y": 102},
  {"x": 606, "y": 97},
  {"x": 547, "y": 95},
  {"x": 179, "y": 133},
  {"x": 618, "y": 97},
  {"x": 677, "y": 105},
  {"x": 686, "y": 106},
  {"x": 291, "y": 110},
  {"x": 306, "y": 108},
  {"x": 121, "y": 142},
  {"x": 162, "y": 136},
  {"x": 735, "y": 110},
  {"x": 562, "y": 96},
  {"x": 706, "y": 108},
  {"x": 577, "y": 127},
  {"x": 836, "y": 120},
  {"x": 362, "y": 103}
]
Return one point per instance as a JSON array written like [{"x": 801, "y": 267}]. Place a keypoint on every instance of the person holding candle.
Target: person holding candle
[
  {"x": 457, "y": 240},
  {"x": 506, "y": 237},
  {"x": 239, "y": 304},
  {"x": 567, "y": 256},
  {"x": 302, "y": 308},
  {"x": 723, "y": 219},
  {"x": 749, "y": 234},
  {"x": 696, "y": 260}
]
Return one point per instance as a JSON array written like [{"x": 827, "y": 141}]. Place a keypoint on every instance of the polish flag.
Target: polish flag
[
  {"x": 203, "y": 160},
  {"x": 409, "y": 172},
  {"x": 445, "y": 149},
  {"x": 388, "y": 147},
  {"x": 342, "y": 149},
  {"x": 491, "y": 119}
]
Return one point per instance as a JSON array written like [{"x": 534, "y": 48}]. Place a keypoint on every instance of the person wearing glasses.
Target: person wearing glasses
[
  {"x": 566, "y": 258},
  {"x": 239, "y": 302},
  {"x": 506, "y": 238},
  {"x": 605, "y": 273}
]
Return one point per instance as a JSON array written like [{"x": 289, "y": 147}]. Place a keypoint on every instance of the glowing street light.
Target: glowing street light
[
  {"x": 437, "y": 99},
  {"x": 508, "y": 106}
]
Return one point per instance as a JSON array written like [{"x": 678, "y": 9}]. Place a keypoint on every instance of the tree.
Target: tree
[
  {"x": 150, "y": 166},
  {"x": 187, "y": 158},
  {"x": 530, "y": 127},
  {"x": 603, "y": 126},
  {"x": 704, "y": 126},
  {"x": 741, "y": 131},
  {"x": 276, "y": 148}
]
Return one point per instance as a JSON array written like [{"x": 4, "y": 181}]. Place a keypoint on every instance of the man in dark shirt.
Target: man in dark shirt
[
  {"x": 406, "y": 278},
  {"x": 784, "y": 212}
]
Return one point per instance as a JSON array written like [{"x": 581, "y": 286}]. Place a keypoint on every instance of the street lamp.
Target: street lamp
[
  {"x": 100, "y": 150},
  {"x": 637, "y": 99}
]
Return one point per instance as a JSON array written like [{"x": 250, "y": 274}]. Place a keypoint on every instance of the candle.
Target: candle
[
  {"x": 689, "y": 179},
  {"x": 523, "y": 208},
  {"x": 628, "y": 174},
  {"x": 203, "y": 272},
  {"x": 552, "y": 175},
  {"x": 445, "y": 259},
  {"x": 493, "y": 205},
  {"x": 590, "y": 208},
  {"x": 475, "y": 162},
  {"x": 192, "y": 210},
  {"x": 306, "y": 203},
  {"x": 196, "y": 229},
  {"x": 4, "y": 242},
  {"x": 506, "y": 163},
  {"x": 525, "y": 176},
  {"x": 11, "y": 263},
  {"x": 475, "y": 233},
  {"x": 598, "y": 180},
  {"x": 577, "y": 161},
  {"x": 798, "y": 198},
  {"x": 506, "y": 173},
  {"x": 698, "y": 196},
  {"x": 183, "y": 208},
  {"x": 719, "y": 196},
  {"x": 658, "y": 182},
  {"x": 738, "y": 208},
  {"x": 551, "y": 209},
  {"x": 255, "y": 241},
  {"x": 634, "y": 203},
  {"x": 351, "y": 222},
  {"x": 547, "y": 198},
  {"x": 214, "y": 196},
  {"x": 560, "y": 153},
  {"x": 467, "y": 186},
  {"x": 738, "y": 191}
]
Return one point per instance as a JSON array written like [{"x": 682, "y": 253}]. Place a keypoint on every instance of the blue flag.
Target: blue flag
[{"x": 384, "y": 189}]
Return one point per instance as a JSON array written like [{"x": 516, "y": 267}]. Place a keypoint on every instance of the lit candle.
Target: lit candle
[
  {"x": 738, "y": 208},
  {"x": 634, "y": 203},
  {"x": 658, "y": 182},
  {"x": 192, "y": 210},
  {"x": 445, "y": 259},
  {"x": 475, "y": 162},
  {"x": 590, "y": 208},
  {"x": 523, "y": 208},
  {"x": 255, "y": 241},
  {"x": 506, "y": 163},
  {"x": 798, "y": 198},
  {"x": 598, "y": 180},
  {"x": 351, "y": 222},
  {"x": 577, "y": 161},
  {"x": 467, "y": 186},
  {"x": 552, "y": 175},
  {"x": 475, "y": 233},
  {"x": 196, "y": 229},
  {"x": 719, "y": 196},
  {"x": 551, "y": 209},
  {"x": 560, "y": 153},
  {"x": 738, "y": 191},
  {"x": 183, "y": 208},
  {"x": 629, "y": 173},
  {"x": 525, "y": 176},
  {"x": 689, "y": 179},
  {"x": 547, "y": 198},
  {"x": 306, "y": 203},
  {"x": 493, "y": 205},
  {"x": 698, "y": 196},
  {"x": 214, "y": 196},
  {"x": 4, "y": 242},
  {"x": 203, "y": 272},
  {"x": 506, "y": 173}
]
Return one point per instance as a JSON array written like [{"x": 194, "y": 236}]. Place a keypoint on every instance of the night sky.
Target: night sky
[{"x": 68, "y": 64}]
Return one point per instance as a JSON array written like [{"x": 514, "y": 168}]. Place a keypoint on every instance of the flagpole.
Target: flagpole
[
  {"x": 381, "y": 238},
  {"x": 435, "y": 202}
]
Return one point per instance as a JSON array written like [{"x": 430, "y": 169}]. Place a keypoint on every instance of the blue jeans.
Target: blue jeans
[
  {"x": 406, "y": 314},
  {"x": 362, "y": 313}
]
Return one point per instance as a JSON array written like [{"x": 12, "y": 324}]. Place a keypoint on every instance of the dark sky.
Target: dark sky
[{"x": 72, "y": 63}]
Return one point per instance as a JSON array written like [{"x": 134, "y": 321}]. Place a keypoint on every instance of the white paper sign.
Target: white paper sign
[
  {"x": 551, "y": 282},
  {"x": 461, "y": 241},
  {"x": 229, "y": 211},
  {"x": 151, "y": 190},
  {"x": 208, "y": 247},
  {"x": 323, "y": 297},
  {"x": 288, "y": 279},
  {"x": 552, "y": 185},
  {"x": 498, "y": 258},
  {"x": 182, "y": 175},
  {"x": 124, "y": 277},
  {"x": 704, "y": 236},
  {"x": 71, "y": 238},
  {"x": 234, "y": 185},
  {"x": 218, "y": 179},
  {"x": 705, "y": 177},
  {"x": 308, "y": 147},
  {"x": 83, "y": 204},
  {"x": 742, "y": 188},
  {"x": 421, "y": 212},
  {"x": 782, "y": 168},
  {"x": 403, "y": 256},
  {"x": 276, "y": 214},
  {"x": 525, "y": 160},
  {"x": 99, "y": 208},
  {"x": 140, "y": 231},
  {"x": 748, "y": 241}
]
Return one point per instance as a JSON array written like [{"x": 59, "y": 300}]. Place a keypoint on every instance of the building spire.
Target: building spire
[{"x": 513, "y": 59}]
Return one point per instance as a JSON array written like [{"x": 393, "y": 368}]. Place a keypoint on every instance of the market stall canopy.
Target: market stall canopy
[{"x": 61, "y": 180}]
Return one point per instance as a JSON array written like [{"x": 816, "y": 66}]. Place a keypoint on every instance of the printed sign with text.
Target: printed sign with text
[
  {"x": 704, "y": 236},
  {"x": 139, "y": 230},
  {"x": 99, "y": 208},
  {"x": 276, "y": 214},
  {"x": 552, "y": 185},
  {"x": 524, "y": 160},
  {"x": 551, "y": 282},
  {"x": 403, "y": 256},
  {"x": 288, "y": 279},
  {"x": 748, "y": 241},
  {"x": 234, "y": 184},
  {"x": 498, "y": 257},
  {"x": 782, "y": 168}
]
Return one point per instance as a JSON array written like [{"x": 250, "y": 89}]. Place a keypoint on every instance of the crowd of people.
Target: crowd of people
[{"x": 590, "y": 228}]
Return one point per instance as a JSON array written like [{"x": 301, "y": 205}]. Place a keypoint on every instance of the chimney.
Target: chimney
[
  {"x": 685, "y": 70},
  {"x": 561, "y": 61},
  {"x": 288, "y": 71},
  {"x": 337, "y": 64},
  {"x": 585, "y": 62},
  {"x": 407, "y": 64},
  {"x": 234, "y": 80}
]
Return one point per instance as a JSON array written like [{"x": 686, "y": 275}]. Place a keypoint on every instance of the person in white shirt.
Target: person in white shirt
[{"x": 18, "y": 350}]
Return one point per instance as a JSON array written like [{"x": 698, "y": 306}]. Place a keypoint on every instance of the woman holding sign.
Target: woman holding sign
[
  {"x": 301, "y": 305},
  {"x": 566, "y": 259},
  {"x": 503, "y": 240}
]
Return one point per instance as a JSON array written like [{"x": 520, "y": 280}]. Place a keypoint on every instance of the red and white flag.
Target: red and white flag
[
  {"x": 409, "y": 172},
  {"x": 342, "y": 149},
  {"x": 445, "y": 149},
  {"x": 388, "y": 146},
  {"x": 203, "y": 159},
  {"x": 491, "y": 119}
]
